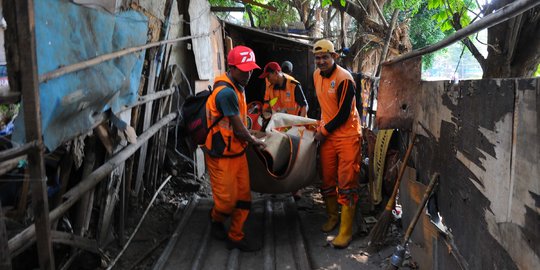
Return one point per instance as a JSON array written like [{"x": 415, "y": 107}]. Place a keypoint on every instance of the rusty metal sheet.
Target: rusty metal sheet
[
  {"x": 397, "y": 89},
  {"x": 429, "y": 248}
]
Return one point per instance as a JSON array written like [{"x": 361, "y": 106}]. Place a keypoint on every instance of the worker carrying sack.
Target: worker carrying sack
[{"x": 193, "y": 124}]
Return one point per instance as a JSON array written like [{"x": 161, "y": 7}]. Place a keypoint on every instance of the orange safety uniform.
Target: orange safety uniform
[
  {"x": 340, "y": 152},
  {"x": 227, "y": 165},
  {"x": 286, "y": 102}
]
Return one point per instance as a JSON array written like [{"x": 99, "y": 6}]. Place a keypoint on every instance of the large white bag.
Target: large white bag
[{"x": 289, "y": 162}]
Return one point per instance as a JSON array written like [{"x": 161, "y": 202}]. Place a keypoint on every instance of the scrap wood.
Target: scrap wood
[{"x": 102, "y": 131}]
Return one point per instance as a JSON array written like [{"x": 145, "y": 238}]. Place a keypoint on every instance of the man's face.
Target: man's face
[
  {"x": 273, "y": 77},
  {"x": 324, "y": 61},
  {"x": 241, "y": 77}
]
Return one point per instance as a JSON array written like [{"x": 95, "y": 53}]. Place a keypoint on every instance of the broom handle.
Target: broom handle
[
  {"x": 427, "y": 195},
  {"x": 392, "y": 199}
]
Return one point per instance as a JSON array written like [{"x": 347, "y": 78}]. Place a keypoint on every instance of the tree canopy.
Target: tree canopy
[{"x": 513, "y": 46}]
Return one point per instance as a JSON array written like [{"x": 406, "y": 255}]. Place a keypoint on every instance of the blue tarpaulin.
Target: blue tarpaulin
[{"x": 66, "y": 34}]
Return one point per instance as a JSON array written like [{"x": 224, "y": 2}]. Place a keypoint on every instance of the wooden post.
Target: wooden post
[
  {"x": 28, "y": 83},
  {"x": 146, "y": 124},
  {"x": 5, "y": 260}
]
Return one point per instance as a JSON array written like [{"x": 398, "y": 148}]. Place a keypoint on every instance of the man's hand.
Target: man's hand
[
  {"x": 319, "y": 136},
  {"x": 258, "y": 143}
]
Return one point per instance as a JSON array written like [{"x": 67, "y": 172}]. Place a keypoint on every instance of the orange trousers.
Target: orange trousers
[
  {"x": 340, "y": 168},
  {"x": 229, "y": 179}
]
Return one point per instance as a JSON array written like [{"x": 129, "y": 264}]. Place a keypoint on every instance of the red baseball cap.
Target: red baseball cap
[
  {"x": 243, "y": 58},
  {"x": 270, "y": 67}
]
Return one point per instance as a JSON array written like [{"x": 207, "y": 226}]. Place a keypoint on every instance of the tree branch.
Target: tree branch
[
  {"x": 475, "y": 52},
  {"x": 378, "y": 9},
  {"x": 456, "y": 23}
]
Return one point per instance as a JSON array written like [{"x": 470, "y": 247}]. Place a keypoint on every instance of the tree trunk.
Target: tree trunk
[{"x": 514, "y": 45}]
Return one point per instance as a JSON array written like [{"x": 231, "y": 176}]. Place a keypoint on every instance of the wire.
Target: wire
[
  {"x": 140, "y": 222},
  {"x": 459, "y": 61}
]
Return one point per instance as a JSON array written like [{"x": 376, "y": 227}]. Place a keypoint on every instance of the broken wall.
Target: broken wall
[{"x": 483, "y": 138}]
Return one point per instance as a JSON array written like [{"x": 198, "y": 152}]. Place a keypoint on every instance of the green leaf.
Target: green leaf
[
  {"x": 446, "y": 26},
  {"x": 325, "y": 3},
  {"x": 465, "y": 20},
  {"x": 343, "y": 2}
]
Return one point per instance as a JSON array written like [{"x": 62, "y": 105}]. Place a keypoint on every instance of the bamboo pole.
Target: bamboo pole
[
  {"x": 86, "y": 184},
  {"x": 507, "y": 12},
  {"x": 17, "y": 151},
  {"x": 106, "y": 57}
]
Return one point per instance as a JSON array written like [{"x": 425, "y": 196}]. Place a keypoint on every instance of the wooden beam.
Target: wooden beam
[
  {"x": 5, "y": 259},
  {"x": 21, "y": 20},
  {"x": 17, "y": 151},
  {"x": 10, "y": 97},
  {"x": 75, "y": 241},
  {"x": 507, "y": 12},
  {"x": 8, "y": 165}
]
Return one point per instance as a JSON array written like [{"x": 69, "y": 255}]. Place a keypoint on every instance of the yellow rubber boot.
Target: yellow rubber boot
[
  {"x": 332, "y": 208},
  {"x": 345, "y": 228}
]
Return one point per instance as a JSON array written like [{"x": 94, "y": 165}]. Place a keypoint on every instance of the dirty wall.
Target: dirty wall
[{"x": 482, "y": 137}]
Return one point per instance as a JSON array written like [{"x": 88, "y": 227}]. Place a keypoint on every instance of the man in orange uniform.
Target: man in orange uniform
[
  {"x": 224, "y": 150},
  {"x": 283, "y": 92},
  {"x": 339, "y": 137}
]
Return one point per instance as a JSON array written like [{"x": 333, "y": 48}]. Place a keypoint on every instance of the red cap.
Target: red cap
[
  {"x": 270, "y": 67},
  {"x": 243, "y": 58}
]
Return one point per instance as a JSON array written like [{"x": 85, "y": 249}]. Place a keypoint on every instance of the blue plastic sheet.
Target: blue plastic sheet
[{"x": 66, "y": 34}]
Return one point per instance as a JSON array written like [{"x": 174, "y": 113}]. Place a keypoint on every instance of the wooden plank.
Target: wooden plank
[
  {"x": 146, "y": 123},
  {"x": 112, "y": 190},
  {"x": 75, "y": 241},
  {"x": 102, "y": 133},
  {"x": 467, "y": 137},
  {"x": 23, "y": 199},
  {"x": 398, "y": 88},
  {"x": 66, "y": 165},
  {"x": 86, "y": 204},
  {"x": 21, "y": 19},
  {"x": 520, "y": 234},
  {"x": 5, "y": 259}
]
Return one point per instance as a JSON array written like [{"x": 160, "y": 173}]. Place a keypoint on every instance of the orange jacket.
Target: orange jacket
[
  {"x": 286, "y": 101},
  {"x": 221, "y": 141},
  {"x": 327, "y": 91}
]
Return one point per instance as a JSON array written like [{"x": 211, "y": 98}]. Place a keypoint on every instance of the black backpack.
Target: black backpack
[{"x": 194, "y": 120}]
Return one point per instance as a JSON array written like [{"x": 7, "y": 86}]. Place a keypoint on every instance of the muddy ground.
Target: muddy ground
[{"x": 161, "y": 220}]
